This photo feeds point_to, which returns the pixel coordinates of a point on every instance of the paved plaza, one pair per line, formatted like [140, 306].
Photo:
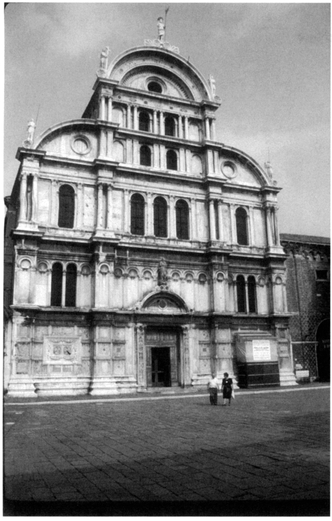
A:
[169, 454]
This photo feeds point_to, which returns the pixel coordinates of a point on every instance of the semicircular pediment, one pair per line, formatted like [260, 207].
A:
[164, 301]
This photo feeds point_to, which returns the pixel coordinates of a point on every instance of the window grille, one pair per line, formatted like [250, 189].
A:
[144, 121]
[171, 160]
[145, 155]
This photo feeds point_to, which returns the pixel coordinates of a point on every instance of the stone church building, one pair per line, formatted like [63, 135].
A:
[142, 252]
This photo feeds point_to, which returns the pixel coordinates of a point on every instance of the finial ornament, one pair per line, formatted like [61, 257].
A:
[28, 142]
[103, 62]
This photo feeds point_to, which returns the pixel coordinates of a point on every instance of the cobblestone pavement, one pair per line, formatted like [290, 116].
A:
[267, 450]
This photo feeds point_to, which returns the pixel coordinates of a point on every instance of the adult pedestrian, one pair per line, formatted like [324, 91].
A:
[227, 388]
[213, 387]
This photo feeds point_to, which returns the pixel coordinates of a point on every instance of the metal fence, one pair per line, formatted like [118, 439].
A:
[305, 360]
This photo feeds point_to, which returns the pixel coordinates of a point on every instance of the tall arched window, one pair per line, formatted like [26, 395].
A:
[252, 294]
[56, 285]
[145, 155]
[66, 206]
[182, 219]
[144, 121]
[137, 214]
[241, 294]
[171, 160]
[160, 217]
[170, 126]
[71, 277]
[241, 226]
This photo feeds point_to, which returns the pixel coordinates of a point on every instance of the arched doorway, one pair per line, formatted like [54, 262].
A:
[323, 350]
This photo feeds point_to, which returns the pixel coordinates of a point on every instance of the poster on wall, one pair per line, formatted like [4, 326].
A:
[261, 350]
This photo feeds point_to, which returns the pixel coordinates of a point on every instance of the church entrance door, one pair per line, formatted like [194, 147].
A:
[162, 358]
[160, 367]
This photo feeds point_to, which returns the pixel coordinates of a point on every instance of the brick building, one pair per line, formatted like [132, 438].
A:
[308, 300]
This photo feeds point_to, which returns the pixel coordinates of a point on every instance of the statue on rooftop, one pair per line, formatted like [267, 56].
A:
[104, 58]
[269, 169]
[161, 29]
[30, 133]
[212, 82]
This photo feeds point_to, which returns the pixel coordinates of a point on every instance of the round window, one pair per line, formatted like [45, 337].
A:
[228, 169]
[153, 86]
[81, 145]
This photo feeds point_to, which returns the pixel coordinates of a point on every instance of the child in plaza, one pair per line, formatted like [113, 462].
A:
[227, 388]
[213, 387]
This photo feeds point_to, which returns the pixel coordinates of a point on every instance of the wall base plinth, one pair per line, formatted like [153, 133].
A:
[108, 385]
[21, 386]
[72, 386]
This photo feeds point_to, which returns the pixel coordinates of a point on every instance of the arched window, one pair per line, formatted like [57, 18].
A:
[241, 294]
[171, 160]
[169, 126]
[145, 155]
[182, 219]
[66, 206]
[71, 277]
[144, 121]
[252, 294]
[160, 217]
[137, 214]
[241, 226]
[56, 286]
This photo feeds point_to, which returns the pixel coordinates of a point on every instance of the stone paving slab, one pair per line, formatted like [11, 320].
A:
[268, 452]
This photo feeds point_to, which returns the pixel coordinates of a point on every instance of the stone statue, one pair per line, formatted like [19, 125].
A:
[212, 82]
[269, 169]
[30, 133]
[162, 272]
[161, 29]
[104, 58]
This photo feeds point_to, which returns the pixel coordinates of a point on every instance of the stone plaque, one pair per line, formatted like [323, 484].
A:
[261, 350]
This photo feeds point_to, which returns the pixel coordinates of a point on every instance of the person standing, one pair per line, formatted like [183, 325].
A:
[227, 388]
[213, 387]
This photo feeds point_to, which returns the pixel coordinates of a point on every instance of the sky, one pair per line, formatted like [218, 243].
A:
[271, 63]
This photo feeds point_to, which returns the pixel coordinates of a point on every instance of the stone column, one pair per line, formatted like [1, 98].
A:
[221, 231]
[135, 152]
[193, 234]
[186, 128]
[276, 226]
[185, 358]
[172, 218]
[247, 296]
[187, 165]
[213, 129]
[34, 214]
[135, 117]
[207, 128]
[162, 123]
[63, 294]
[102, 107]
[212, 220]
[126, 211]
[233, 238]
[110, 107]
[251, 226]
[23, 195]
[180, 127]
[181, 161]
[268, 226]
[79, 205]
[129, 116]
[109, 207]
[150, 215]
[54, 203]
[155, 122]
[100, 206]
[140, 356]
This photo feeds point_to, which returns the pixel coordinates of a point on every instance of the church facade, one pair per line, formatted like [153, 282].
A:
[141, 252]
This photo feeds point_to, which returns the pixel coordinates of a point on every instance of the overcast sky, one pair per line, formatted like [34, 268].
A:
[270, 62]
